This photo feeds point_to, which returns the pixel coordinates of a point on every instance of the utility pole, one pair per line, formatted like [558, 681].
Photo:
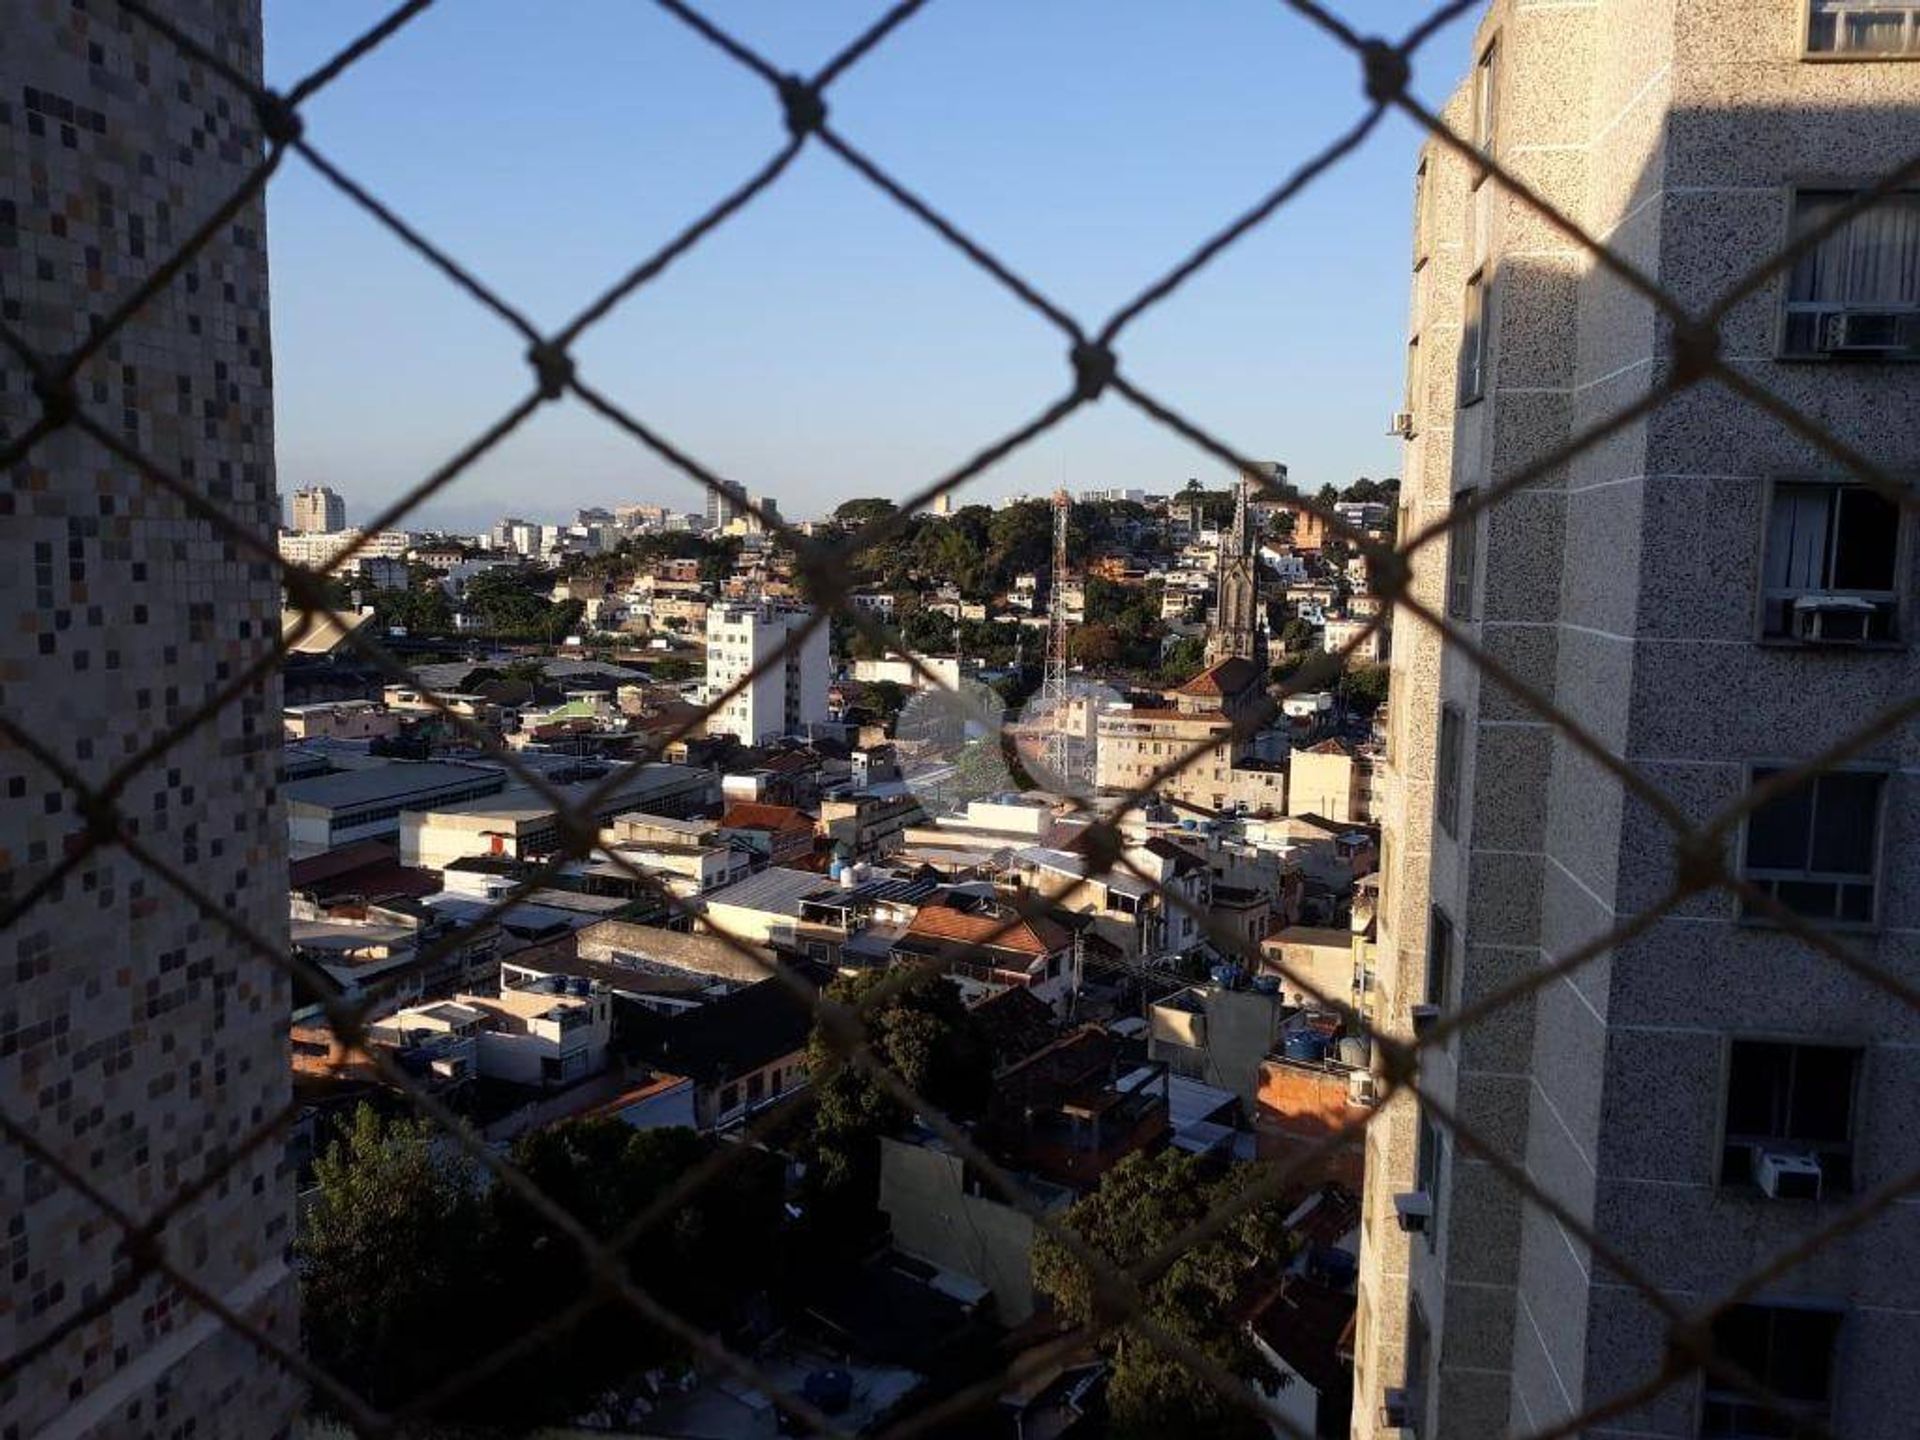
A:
[1054, 699]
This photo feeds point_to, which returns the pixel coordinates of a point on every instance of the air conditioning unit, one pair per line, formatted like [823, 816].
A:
[1413, 1209]
[1833, 619]
[1869, 332]
[1784, 1175]
[1396, 1411]
[1424, 1018]
[1401, 424]
[1362, 1088]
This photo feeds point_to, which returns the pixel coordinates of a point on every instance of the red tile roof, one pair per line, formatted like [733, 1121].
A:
[751, 815]
[1036, 936]
[1225, 677]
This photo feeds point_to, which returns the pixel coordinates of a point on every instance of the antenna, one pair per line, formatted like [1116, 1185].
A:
[1053, 687]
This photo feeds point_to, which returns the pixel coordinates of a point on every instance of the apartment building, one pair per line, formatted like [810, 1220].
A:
[128, 613]
[1713, 598]
[318, 510]
[786, 697]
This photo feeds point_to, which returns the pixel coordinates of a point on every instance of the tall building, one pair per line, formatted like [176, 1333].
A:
[1711, 597]
[726, 503]
[1239, 629]
[788, 696]
[318, 510]
[139, 1040]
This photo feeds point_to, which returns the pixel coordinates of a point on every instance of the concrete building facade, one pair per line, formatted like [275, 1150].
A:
[786, 697]
[318, 510]
[1711, 597]
[139, 1040]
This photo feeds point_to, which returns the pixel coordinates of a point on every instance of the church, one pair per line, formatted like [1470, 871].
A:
[1239, 621]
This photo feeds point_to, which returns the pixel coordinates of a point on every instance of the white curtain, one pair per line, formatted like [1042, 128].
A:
[1797, 537]
[1873, 260]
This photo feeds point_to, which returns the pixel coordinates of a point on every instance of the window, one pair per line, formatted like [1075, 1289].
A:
[1421, 200]
[1419, 1342]
[1863, 28]
[1439, 956]
[756, 1088]
[1432, 1145]
[1463, 537]
[1832, 563]
[729, 1099]
[1485, 98]
[1813, 848]
[1473, 341]
[1792, 1098]
[1411, 403]
[1446, 781]
[1789, 1349]
[1856, 294]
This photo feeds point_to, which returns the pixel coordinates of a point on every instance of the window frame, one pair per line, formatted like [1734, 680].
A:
[1724, 1135]
[1858, 57]
[1422, 221]
[1441, 938]
[1463, 556]
[1486, 108]
[1706, 1394]
[1903, 560]
[1429, 1158]
[1847, 187]
[1476, 316]
[1876, 877]
[1449, 762]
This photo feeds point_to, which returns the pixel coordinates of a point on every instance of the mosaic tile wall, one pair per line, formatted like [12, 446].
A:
[134, 1037]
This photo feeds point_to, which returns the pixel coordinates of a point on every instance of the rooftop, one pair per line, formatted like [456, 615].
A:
[777, 890]
[734, 1035]
[396, 781]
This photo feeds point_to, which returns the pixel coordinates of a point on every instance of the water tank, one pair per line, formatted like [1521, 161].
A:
[836, 869]
[1225, 976]
[1305, 1045]
[1354, 1051]
[1266, 984]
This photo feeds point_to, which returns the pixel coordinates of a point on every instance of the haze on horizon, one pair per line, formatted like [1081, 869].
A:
[823, 343]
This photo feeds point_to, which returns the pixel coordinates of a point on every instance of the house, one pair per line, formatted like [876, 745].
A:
[1219, 1033]
[1336, 780]
[984, 944]
[779, 834]
[1304, 1331]
[1073, 1110]
[742, 1052]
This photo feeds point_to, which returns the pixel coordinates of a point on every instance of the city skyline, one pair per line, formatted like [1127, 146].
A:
[1289, 345]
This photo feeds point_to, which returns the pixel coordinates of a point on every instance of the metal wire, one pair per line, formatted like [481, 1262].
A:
[1383, 70]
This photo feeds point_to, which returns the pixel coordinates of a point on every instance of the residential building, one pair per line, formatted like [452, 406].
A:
[1134, 743]
[1711, 598]
[742, 1052]
[1218, 1032]
[1335, 780]
[141, 1042]
[318, 510]
[319, 549]
[340, 720]
[519, 822]
[787, 696]
[981, 943]
[777, 834]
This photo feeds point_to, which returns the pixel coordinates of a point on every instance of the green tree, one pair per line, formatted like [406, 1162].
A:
[865, 511]
[389, 1288]
[1298, 635]
[1362, 688]
[926, 1035]
[1183, 659]
[1143, 1203]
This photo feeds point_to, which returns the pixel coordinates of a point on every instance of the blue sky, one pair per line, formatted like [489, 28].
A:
[824, 343]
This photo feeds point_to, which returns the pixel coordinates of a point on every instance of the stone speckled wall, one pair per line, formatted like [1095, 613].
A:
[136, 1038]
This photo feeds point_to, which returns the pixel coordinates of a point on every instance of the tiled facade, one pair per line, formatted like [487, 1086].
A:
[137, 1038]
[1625, 585]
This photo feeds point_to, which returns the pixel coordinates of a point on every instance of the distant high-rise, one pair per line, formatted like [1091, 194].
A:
[1711, 597]
[725, 504]
[318, 510]
[139, 1040]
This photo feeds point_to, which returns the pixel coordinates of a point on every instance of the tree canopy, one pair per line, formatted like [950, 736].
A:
[1141, 1204]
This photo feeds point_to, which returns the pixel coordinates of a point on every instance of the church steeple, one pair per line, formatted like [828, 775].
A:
[1237, 630]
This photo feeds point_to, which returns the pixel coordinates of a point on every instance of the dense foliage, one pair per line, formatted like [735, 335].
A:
[1143, 1203]
[414, 1266]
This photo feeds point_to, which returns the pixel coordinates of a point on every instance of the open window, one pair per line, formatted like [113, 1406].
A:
[1790, 1119]
[1833, 555]
[1855, 295]
[1789, 1350]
